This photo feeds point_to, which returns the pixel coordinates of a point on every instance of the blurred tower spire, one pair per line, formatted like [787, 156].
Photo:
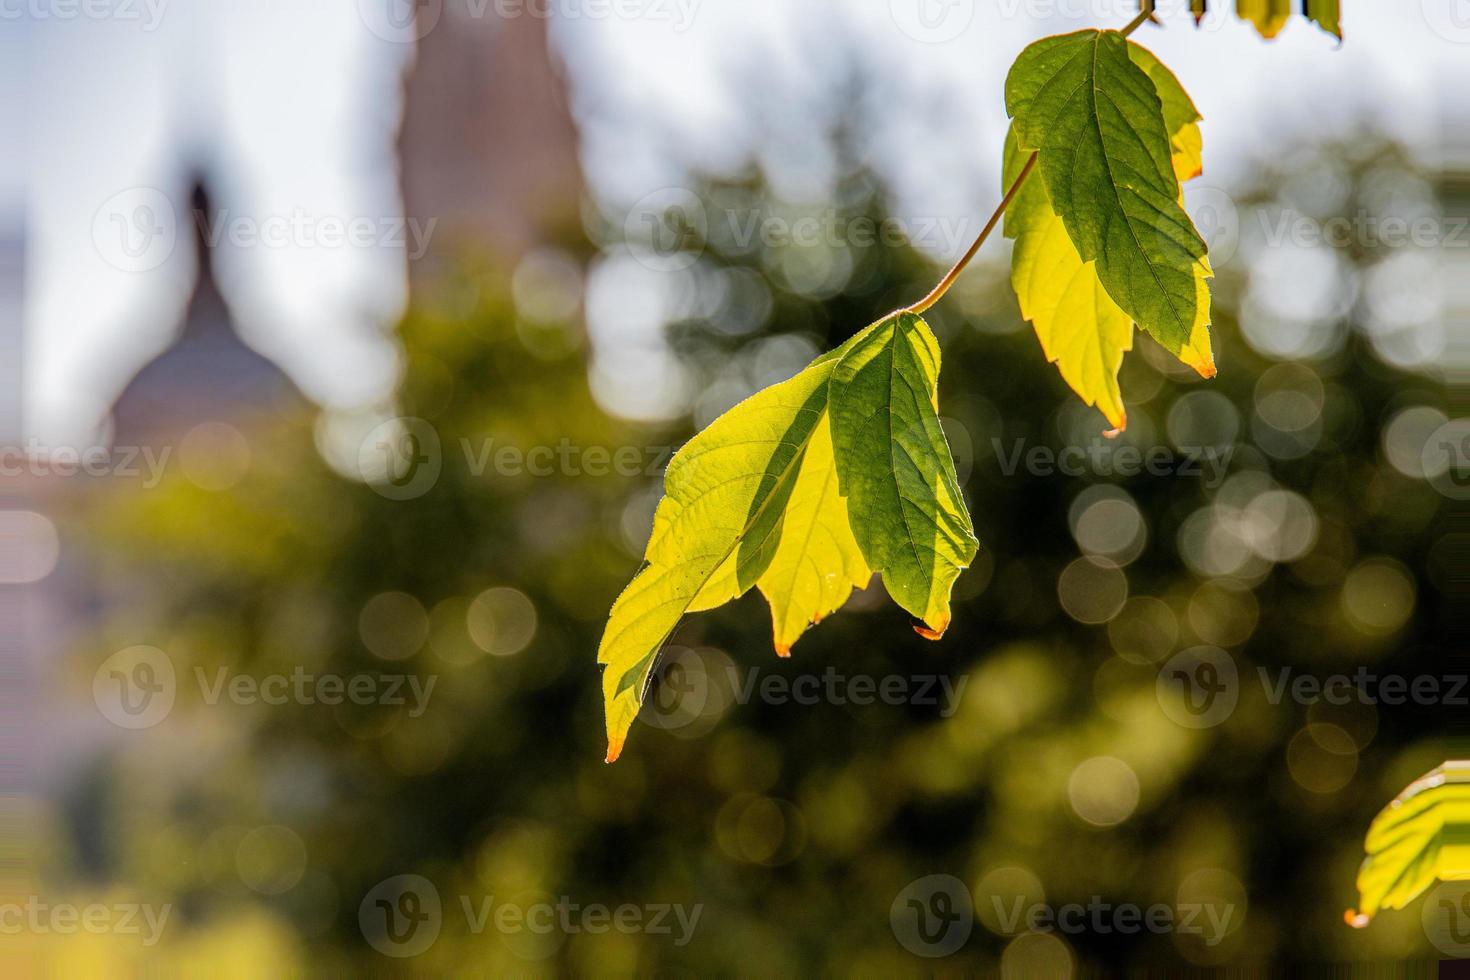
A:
[488, 148]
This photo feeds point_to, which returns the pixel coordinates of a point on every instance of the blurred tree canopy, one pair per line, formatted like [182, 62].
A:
[795, 826]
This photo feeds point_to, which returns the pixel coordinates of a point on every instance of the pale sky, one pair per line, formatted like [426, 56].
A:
[658, 94]
[291, 108]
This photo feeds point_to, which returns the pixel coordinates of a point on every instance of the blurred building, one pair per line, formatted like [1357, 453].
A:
[487, 153]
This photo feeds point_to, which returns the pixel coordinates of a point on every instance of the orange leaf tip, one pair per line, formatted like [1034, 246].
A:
[930, 633]
[1202, 363]
[783, 650]
[1356, 919]
[614, 749]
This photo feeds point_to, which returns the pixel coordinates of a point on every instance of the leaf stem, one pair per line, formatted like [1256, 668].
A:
[938, 292]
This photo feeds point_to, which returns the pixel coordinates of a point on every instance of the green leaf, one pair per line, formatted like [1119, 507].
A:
[1098, 126]
[894, 468]
[1181, 118]
[1423, 836]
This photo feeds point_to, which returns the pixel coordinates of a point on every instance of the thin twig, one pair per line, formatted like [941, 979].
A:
[937, 293]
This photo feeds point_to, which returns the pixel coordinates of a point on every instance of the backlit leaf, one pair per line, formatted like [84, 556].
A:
[1268, 16]
[1327, 14]
[819, 562]
[1423, 836]
[1081, 328]
[1097, 123]
[725, 495]
[895, 470]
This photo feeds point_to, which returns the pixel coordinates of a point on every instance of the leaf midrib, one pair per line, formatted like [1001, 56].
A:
[1096, 121]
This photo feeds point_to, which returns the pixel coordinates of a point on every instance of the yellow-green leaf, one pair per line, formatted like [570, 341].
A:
[1081, 328]
[1423, 836]
[1082, 331]
[1181, 118]
[818, 562]
[895, 469]
[1268, 16]
[1097, 123]
[1327, 14]
[724, 497]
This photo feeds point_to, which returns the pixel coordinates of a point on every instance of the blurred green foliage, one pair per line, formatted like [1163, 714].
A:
[794, 826]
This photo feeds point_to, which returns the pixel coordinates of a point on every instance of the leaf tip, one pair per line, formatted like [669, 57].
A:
[1203, 362]
[614, 749]
[783, 650]
[931, 632]
[1356, 919]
